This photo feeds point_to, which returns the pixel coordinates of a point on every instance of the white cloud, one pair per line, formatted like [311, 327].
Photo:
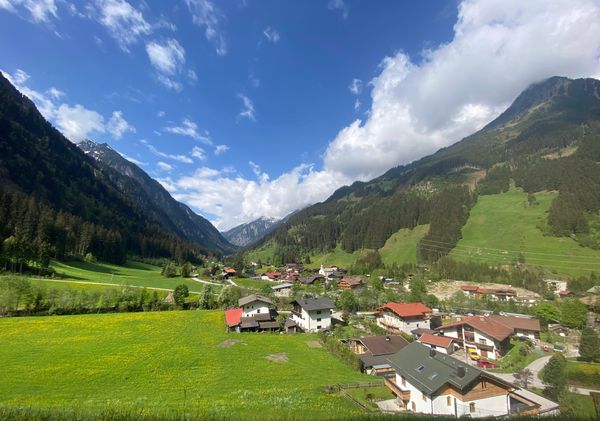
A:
[206, 15]
[198, 153]
[271, 34]
[176, 157]
[117, 126]
[124, 22]
[498, 49]
[192, 76]
[41, 11]
[356, 86]
[77, 123]
[163, 166]
[339, 5]
[190, 129]
[167, 58]
[248, 108]
[169, 83]
[221, 149]
[55, 93]
[160, 114]
[356, 104]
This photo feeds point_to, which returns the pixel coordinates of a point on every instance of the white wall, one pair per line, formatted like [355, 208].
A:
[405, 325]
[255, 307]
[308, 322]
[489, 407]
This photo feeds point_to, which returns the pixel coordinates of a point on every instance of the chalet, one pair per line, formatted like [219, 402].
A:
[403, 317]
[429, 382]
[490, 336]
[312, 315]
[309, 280]
[443, 344]
[375, 350]
[271, 276]
[555, 285]
[253, 314]
[229, 273]
[350, 282]
[282, 290]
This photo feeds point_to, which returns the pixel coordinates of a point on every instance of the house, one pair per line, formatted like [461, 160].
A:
[312, 315]
[253, 314]
[293, 268]
[416, 333]
[375, 350]
[443, 344]
[403, 317]
[282, 290]
[229, 273]
[271, 276]
[326, 272]
[490, 336]
[429, 382]
[350, 282]
[496, 294]
[558, 329]
[555, 285]
[309, 280]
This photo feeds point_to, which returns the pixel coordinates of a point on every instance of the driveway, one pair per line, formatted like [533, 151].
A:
[535, 368]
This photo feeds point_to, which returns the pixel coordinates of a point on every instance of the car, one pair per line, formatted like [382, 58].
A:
[473, 354]
[485, 364]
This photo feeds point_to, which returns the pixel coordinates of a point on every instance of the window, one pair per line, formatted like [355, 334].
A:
[258, 311]
[319, 319]
[472, 407]
[420, 368]
[482, 341]
[318, 311]
[318, 326]
[483, 384]
[449, 400]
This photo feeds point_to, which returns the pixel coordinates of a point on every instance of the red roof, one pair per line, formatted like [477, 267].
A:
[407, 309]
[469, 287]
[233, 316]
[428, 338]
[565, 292]
[230, 270]
[273, 274]
[487, 325]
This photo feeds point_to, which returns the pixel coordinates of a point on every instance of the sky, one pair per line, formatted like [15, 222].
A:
[251, 108]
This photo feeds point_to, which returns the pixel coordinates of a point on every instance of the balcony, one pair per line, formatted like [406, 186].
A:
[402, 394]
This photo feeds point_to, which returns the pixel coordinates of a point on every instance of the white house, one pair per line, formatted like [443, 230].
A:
[327, 272]
[403, 317]
[312, 315]
[556, 286]
[254, 304]
[429, 382]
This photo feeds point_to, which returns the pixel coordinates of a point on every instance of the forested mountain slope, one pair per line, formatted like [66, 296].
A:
[548, 139]
[56, 201]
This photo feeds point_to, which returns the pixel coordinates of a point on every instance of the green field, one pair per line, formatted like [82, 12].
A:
[132, 273]
[337, 257]
[500, 226]
[401, 247]
[162, 362]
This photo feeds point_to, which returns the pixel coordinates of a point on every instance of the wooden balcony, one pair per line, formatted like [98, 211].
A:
[402, 394]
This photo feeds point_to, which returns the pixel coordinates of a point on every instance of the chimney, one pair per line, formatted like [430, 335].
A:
[387, 338]
[460, 371]
[432, 352]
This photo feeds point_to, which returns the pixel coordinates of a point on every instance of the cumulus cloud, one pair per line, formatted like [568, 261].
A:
[247, 108]
[166, 58]
[117, 126]
[125, 23]
[221, 149]
[190, 129]
[339, 6]
[271, 34]
[198, 153]
[39, 10]
[499, 47]
[206, 15]
[77, 123]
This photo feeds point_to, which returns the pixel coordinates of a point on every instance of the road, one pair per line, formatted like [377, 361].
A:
[202, 281]
[537, 366]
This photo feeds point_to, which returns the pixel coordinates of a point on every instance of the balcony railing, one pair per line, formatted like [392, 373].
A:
[391, 384]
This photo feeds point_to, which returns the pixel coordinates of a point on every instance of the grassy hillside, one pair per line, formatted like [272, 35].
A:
[159, 363]
[501, 225]
[401, 247]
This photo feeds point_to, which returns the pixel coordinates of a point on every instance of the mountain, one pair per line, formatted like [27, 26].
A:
[548, 139]
[249, 233]
[56, 201]
[156, 202]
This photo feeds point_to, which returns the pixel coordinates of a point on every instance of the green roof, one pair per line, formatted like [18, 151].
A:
[429, 370]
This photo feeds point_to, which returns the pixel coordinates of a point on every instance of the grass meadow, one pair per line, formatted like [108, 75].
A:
[164, 364]
[501, 225]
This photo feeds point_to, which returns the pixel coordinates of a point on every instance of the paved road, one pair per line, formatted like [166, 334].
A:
[202, 281]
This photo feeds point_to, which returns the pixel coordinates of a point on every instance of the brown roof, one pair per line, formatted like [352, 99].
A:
[407, 309]
[443, 341]
[485, 325]
[254, 297]
[521, 323]
[352, 280]
[469, 287]
[383, 345]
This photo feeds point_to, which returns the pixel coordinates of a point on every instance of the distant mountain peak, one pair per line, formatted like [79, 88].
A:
[251, 232]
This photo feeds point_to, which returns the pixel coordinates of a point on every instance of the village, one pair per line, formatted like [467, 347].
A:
[434, 361]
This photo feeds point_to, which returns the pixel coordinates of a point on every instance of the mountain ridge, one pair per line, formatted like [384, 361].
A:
[249, 233]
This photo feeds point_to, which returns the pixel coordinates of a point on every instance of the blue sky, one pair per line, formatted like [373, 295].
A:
[257, 108]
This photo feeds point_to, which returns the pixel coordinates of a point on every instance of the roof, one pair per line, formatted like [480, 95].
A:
[594, 290]
[254, 297]
[469, 287]
[429, 370]
[486, 325]
[407, 309]
[289, 323]
[566, 292]
[230, 270]
[352, 280]
[419, 331]
[520, 323]
[546, 405]
[368, 360]
[233, 316]
[310, 304]
[282, 286]
[309, 279]
[429, 339]
[383, 345]
[273, 274]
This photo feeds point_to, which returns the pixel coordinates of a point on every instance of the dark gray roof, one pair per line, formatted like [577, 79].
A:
[311, 304]
[369, 360]
[383, 345]
[282, 286]
[309, 279]
[269, 325]
[429, 373]
[254, 297]
[290, 323]
[419, 331]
